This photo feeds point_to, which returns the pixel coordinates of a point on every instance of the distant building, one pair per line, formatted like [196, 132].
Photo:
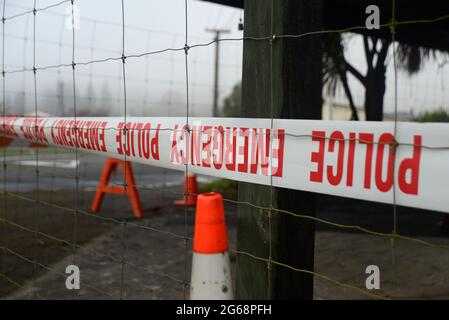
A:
[401, 116]
[338, 111]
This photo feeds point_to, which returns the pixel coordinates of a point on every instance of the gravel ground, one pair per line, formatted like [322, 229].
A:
[157, 260]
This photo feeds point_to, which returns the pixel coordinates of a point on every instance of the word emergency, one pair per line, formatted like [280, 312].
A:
[235, 149]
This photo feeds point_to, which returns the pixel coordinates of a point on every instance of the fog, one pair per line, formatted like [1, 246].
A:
[155, 83]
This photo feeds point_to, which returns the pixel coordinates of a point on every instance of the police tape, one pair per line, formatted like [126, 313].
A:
[362, 160]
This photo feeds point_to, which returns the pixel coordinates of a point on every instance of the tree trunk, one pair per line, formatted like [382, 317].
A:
[374, 81]
[374, 94]
[296, 89]
[344, 81]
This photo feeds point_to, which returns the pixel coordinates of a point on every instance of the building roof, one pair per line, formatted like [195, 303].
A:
[341, 14]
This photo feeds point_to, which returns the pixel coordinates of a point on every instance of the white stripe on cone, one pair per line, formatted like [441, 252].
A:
[211, 277]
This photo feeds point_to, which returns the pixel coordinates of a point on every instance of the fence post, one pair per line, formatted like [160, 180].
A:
[281, 79]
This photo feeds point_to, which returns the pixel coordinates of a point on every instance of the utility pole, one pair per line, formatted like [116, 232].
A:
[217, 33]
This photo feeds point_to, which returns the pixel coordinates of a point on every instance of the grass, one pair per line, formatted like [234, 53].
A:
[227, 188]
[439, 115]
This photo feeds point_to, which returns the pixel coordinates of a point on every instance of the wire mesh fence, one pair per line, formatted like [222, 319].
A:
[46, 219]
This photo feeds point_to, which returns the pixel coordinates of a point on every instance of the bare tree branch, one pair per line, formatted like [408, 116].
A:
[382, 55]
[369, 54]
[344, 81]
[355, 73]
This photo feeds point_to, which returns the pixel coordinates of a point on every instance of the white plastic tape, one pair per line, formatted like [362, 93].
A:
[349, 159]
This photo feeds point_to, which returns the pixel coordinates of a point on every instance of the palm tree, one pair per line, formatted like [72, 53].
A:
[336, 67]
[334, 70]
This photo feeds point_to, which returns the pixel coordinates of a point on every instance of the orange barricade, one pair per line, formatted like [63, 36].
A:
[110, 166]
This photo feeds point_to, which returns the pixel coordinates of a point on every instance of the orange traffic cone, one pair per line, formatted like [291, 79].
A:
[190, 190]
[211, 268]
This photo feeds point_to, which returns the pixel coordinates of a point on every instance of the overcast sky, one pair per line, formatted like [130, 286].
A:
[155, 83]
